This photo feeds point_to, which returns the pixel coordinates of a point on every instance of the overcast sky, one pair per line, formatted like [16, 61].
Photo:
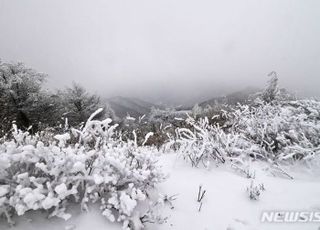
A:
[172, 49]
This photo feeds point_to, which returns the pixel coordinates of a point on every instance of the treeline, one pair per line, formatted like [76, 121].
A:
[25, 101]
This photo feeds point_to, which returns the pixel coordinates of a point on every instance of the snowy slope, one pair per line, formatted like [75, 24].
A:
[225, 205]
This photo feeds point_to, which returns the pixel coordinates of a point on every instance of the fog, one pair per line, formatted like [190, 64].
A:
[166, 50]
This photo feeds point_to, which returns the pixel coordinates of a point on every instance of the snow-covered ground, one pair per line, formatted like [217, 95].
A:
[226, 204]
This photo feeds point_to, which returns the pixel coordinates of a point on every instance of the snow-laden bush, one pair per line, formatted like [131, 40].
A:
[284, 131]
[99, 168]
[205, 143]
[254, 191]
[281, 131]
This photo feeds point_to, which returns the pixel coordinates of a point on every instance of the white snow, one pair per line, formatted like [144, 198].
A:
[226, 204]
[50, 202]
[148, 135]
[98, 179]
[63, 138]
[4, 189]
[129, 118]
[127, 204]
[78, 166]
[61, 190]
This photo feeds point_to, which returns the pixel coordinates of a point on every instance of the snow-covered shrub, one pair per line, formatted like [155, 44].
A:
[281, 131]
[284, 131]
[198, 145]
[244, 170]
[205, 140]
[159, 122]
[205, 143]
[98, 168]
[153, 214]
[254, 191]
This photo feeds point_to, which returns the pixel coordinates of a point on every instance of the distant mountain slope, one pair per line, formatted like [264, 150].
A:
[122, 106]
[133, 106]
[233, 98]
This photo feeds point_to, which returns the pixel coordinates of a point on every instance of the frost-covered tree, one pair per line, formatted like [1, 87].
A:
[78, 104]
[272, 90]
[22, 98]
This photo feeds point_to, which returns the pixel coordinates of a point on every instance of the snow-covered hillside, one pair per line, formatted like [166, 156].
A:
[226, 204]
[224, 171]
